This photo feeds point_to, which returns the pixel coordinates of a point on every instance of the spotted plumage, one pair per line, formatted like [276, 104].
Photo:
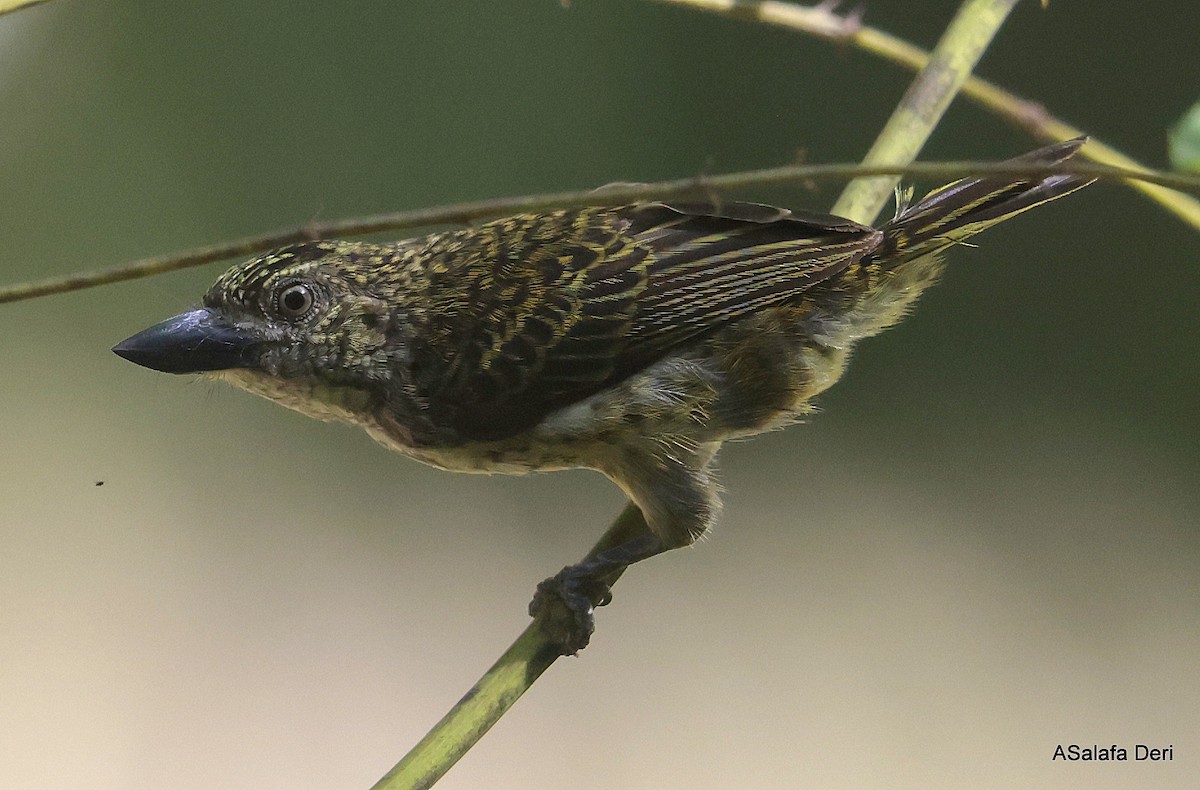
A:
[631, 339]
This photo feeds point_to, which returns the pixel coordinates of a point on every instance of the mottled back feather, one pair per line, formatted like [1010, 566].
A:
[529, 314]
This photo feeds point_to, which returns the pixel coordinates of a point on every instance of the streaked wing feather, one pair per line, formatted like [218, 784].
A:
[611, 291]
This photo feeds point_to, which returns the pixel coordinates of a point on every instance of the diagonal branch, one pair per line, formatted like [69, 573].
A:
[7, 6]
[924, 103]
[823, 22]
[496, 692]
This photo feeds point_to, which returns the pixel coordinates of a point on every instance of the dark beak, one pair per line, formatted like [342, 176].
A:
[189, 343]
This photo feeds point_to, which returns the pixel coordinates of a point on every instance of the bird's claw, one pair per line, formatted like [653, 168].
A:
[565, 606]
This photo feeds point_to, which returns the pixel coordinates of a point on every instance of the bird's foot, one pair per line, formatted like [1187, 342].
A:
[565, 605]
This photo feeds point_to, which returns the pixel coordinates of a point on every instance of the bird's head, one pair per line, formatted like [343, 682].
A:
[304, 326]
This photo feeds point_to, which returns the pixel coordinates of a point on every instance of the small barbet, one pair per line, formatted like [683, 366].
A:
[633, 340]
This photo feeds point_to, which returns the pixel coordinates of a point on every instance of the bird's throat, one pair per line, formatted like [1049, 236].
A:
[307, 395]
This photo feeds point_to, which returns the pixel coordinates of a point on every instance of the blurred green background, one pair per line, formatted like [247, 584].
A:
[986, 544]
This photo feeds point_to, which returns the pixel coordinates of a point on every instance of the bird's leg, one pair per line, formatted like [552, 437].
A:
[674, 503]
[565, 603]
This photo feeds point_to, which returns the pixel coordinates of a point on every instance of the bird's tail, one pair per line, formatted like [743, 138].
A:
[952, 213]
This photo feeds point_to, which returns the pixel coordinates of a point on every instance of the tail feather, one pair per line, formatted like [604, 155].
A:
[952, 213]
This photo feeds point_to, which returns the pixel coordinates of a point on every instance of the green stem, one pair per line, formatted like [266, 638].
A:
[490, 698]
[7, 6]
[821, 21]
[924, 103]
[475, 713]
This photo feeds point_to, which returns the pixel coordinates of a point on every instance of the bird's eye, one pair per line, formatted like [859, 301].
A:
[294, 301]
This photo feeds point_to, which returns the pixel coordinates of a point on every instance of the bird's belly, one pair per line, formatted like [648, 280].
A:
[518, 455]
[681, 402]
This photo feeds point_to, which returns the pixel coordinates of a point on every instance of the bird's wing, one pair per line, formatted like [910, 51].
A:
[530, 314]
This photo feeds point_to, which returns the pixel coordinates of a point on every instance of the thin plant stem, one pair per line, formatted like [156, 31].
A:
[924, 104]
[459, 213]
[8, 6]
[499, 688]
[822, 21]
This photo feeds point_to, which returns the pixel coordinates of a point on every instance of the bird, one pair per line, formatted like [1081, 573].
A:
[633, 340]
